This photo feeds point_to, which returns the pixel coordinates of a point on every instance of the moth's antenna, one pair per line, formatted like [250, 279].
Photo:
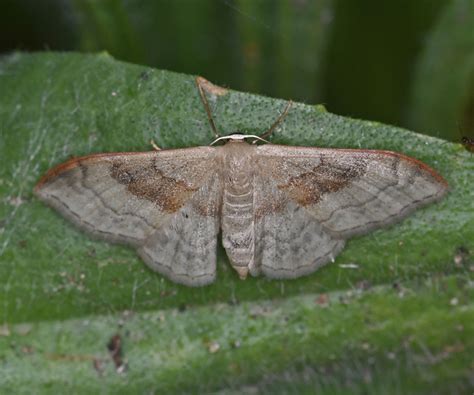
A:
[206, 107]
[278, 121]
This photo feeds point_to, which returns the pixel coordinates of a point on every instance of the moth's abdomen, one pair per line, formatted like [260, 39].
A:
[238, 227]
[238, 234]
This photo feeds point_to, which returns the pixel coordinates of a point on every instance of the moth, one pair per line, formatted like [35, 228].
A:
[283, 211]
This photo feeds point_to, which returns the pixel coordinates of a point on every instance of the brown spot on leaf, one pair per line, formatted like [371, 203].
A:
[98, 365]
[363, 285]
[115, 348]
[461, 256]
[322, 300]
[210, 88]
[468, 143]
[150, 184]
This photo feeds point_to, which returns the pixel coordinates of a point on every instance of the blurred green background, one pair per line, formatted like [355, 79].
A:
[402, 62]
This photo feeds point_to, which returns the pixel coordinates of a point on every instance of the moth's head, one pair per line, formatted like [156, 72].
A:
[239, 138]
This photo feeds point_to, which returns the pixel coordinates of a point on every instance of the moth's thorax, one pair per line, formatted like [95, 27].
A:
[237, 156]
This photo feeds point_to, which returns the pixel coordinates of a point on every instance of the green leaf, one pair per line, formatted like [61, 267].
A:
[63, 294]
[443, 89]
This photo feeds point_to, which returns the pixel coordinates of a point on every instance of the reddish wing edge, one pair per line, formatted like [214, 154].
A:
[74, 162]
[415, 161]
